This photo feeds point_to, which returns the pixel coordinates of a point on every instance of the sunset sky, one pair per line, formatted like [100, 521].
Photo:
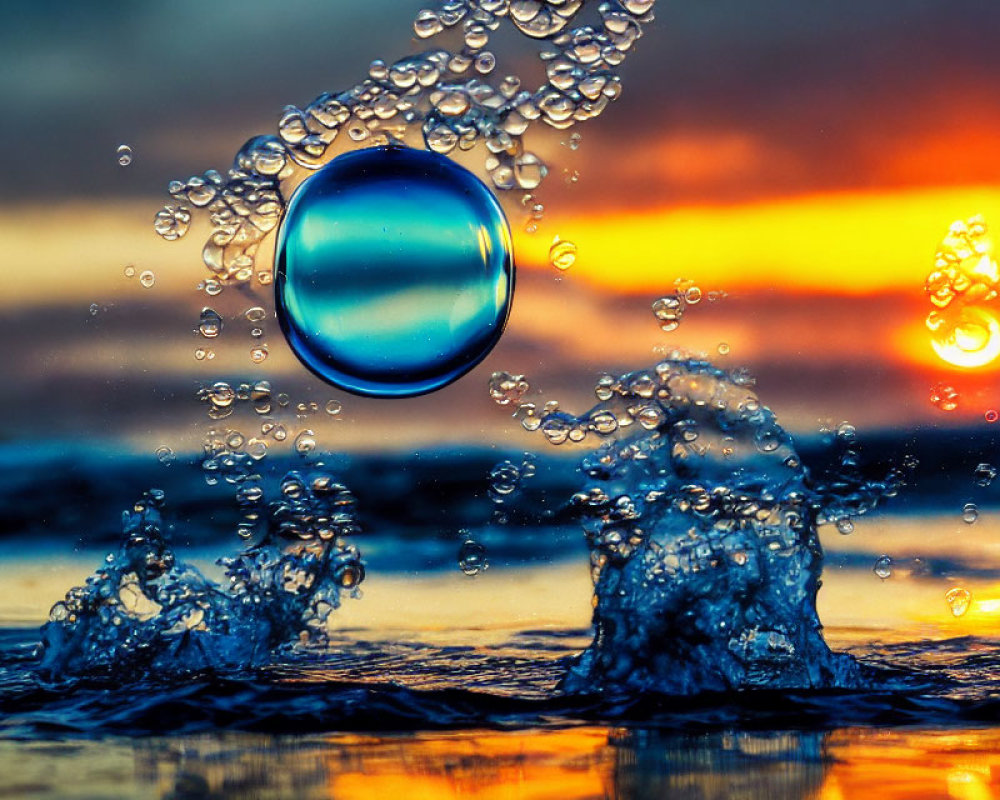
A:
[804, 158]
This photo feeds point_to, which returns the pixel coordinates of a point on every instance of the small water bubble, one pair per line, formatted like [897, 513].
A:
[305, 442]
[255, 314]
[164, 455]
[333, 407]
[991, 415]
[129, 271]
[668, 311]
[984, 474]
[94, 308]
[279, 433]
[883, 567]
[485, 62]
[573, 143]
[845, 526]
[212, 287]
[124, 153]
[258, 354]
[723, 349]
[209, 324]
[172, 222]
[283, 400]
[562, 254]
[970, 513]
[944, 396]
[472, 558]
[147, 279]
[958, 600]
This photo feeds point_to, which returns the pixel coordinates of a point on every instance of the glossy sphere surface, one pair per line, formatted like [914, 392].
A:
[394, 273]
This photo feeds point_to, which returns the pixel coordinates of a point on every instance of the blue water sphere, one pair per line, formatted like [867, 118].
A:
[394, 272]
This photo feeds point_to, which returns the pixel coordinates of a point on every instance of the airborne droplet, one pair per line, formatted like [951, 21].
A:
[411, 289]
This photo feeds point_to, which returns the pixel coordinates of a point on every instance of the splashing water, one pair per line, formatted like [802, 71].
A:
[702, 524]
[147, 613]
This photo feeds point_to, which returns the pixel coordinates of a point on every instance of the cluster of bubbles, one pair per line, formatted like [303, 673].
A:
[453, 99]
[145, 612]
[670, 308]
[962, 288]
[702, 525]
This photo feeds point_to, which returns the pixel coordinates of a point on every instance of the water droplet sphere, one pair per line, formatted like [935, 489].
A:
[394, 271]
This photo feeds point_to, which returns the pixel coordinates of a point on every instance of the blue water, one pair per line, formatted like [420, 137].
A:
[394, 272]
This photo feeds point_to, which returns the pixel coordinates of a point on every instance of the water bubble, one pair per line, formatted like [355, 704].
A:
[258, 354]
[845, 526]
[172, 222]
[485, 63]
[255, 314]
[883, 567]
[279, 433]
[212, 287]
[333, 407]
[304, 442]
[147, 279]
[958, 600]
[562, 254]
[164, 455]
[507, 389]
[984, 474]
[944, 396]
[416, 295]
[129, 271]
[94, 308]
[723, 349]
[970, 513]
[991, 415]
[668, 311]
[573, 143]
[124, 153]
[209, 324]
[427, 24]
[472, 558]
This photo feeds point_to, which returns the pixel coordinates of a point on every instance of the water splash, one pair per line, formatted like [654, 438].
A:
[702, 525]
[145, 612]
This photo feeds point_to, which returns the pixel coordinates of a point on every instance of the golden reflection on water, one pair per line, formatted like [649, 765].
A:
[535, 764]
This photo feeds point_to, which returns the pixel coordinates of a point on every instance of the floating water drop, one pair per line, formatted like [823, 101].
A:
[394, 273]
[164, 455]
[970, 513]
[258, 354]
[304, 443]
[958, 599]
[147, 279]
[333, 407]
[472, 558]
[883, 567]
[209, 323]
[124, 153]
[845, 526]
[668, 312]
[562, 254]
[984, 474]
[129, 271]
